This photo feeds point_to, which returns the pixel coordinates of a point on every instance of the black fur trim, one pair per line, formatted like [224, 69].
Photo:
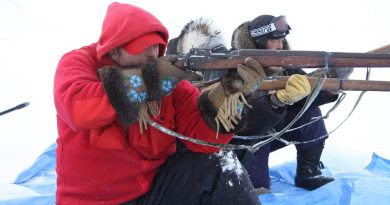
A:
[116, 92]
[207, 110]
[151, 77]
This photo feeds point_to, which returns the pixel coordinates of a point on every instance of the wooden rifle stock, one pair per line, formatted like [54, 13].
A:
[199, 59]
[332, 84]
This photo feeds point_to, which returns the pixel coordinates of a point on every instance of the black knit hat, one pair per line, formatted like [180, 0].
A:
[261, 29]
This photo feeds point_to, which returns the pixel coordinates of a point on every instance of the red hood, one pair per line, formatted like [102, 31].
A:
[123, 23]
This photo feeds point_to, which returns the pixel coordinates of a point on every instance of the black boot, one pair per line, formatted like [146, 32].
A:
[308, 174]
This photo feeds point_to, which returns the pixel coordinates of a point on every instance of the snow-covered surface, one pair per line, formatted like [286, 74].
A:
[34, 35]
[367, 186]
[371, 185]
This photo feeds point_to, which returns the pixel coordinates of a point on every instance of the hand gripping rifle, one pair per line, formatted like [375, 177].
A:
[201, 59]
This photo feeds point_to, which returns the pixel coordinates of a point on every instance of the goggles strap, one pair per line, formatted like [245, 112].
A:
[278, 24]
[263, 30]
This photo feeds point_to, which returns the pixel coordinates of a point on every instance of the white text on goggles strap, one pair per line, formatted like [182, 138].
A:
[263, 30]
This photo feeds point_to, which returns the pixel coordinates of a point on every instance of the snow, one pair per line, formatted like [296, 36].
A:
[35, 34]
[36, 184]
[229, 162]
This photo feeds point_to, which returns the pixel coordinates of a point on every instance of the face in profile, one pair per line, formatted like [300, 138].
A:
[125, 59]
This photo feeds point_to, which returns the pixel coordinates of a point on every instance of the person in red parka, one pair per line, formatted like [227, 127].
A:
[107, 95]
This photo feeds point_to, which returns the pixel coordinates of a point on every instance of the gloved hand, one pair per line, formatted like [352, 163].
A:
[246, 80]
[297, 87]
[252, 74]
[125, 90]
[161, 76]
[129, 89]
[228, 96]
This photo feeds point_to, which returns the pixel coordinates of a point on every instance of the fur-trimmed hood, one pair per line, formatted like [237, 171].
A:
[198, 33]
[241, 38]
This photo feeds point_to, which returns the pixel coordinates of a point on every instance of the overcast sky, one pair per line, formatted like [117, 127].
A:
[35, 34]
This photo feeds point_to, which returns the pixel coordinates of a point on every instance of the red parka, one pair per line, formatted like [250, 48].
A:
[97, 162]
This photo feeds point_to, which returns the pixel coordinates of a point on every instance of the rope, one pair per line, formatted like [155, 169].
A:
[313, 94]
[254, 147]
[341, 98]
[276, 135]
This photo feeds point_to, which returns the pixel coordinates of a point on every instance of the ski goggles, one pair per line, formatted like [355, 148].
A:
[278, 28]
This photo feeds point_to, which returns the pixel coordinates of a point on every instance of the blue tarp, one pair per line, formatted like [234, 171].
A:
[37, 184]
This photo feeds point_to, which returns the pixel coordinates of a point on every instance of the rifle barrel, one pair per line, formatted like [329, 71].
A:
[206, 59]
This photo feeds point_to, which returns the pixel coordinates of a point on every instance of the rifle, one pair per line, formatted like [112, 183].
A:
[200, 59]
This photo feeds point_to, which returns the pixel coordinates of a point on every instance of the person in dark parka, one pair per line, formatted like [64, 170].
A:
[269, 32]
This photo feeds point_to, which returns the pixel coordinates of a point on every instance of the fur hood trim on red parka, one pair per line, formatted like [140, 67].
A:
[124, 23]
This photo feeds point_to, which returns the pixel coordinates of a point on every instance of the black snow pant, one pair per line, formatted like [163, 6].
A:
[190, 178]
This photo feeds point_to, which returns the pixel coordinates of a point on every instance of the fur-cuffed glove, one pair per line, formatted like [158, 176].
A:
[223, 104]
[137, 92]
[125, 90]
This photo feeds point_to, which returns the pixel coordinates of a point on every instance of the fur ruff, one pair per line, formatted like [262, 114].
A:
[242, 39]
[195, 34]
[202, 33]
